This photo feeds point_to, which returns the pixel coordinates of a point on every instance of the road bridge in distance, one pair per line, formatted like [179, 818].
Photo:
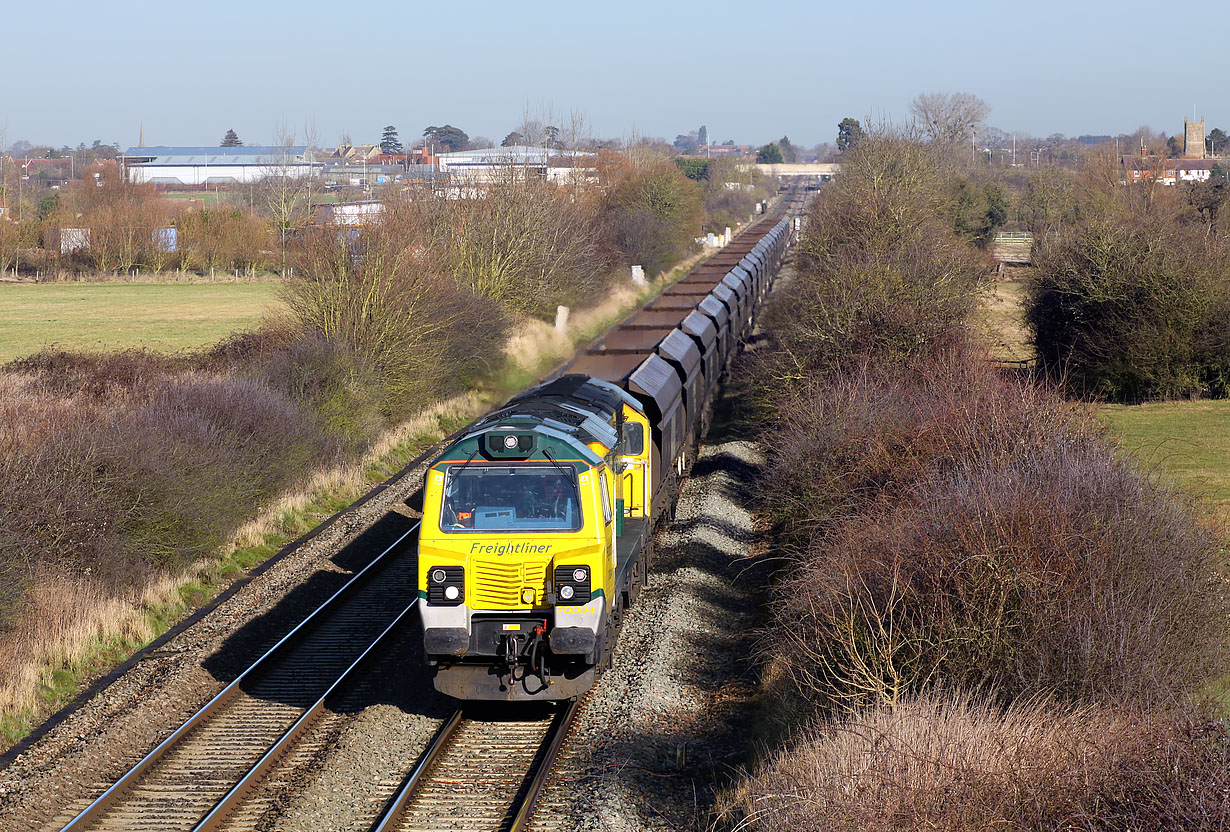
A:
[816, 171]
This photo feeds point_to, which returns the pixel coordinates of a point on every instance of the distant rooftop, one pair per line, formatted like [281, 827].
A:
[252, 155]
[518, 154]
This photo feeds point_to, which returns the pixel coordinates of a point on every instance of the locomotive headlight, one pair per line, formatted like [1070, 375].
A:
[527, 596]
[510, 441]
[579, 575]
[566, 592]
[452, 593]
[438, 576]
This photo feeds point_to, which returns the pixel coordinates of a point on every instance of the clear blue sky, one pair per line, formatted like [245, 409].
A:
[76, 71]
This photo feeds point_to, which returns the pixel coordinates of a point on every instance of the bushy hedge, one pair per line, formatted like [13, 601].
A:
[653, 213]
[878, 271]
[953, 526]
[958, 764]
[1134, 308]
[984, 616]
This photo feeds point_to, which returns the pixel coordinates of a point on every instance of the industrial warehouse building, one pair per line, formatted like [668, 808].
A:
[187, 166]
[489, 164]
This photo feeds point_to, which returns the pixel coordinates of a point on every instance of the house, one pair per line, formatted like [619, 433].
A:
[350, 213]
[355, 154]
[195, 166]
[1166, 171]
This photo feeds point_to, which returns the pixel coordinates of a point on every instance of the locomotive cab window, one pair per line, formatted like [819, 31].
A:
[633, 440]
[606, 499]
[479, 498]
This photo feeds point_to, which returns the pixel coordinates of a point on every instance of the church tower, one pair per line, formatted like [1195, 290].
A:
[1193, 139]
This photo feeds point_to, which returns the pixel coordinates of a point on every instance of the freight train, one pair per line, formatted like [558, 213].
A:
[537, 523]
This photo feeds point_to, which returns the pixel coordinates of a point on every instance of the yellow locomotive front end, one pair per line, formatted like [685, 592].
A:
[517, 553]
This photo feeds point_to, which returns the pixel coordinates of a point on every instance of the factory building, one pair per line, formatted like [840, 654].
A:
[491, 163]
[195, 166]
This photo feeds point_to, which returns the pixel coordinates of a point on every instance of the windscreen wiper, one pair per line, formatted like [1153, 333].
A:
[560, 468]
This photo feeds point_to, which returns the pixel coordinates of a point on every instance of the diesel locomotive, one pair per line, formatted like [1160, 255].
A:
[537, 523]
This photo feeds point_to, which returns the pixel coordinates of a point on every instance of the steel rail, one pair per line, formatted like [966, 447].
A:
[217, 816]
[108, 798]
[401, 801]
[521, 805]
[553, 743]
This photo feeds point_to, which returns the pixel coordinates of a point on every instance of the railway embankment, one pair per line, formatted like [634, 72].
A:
[985, 616]
[96, 743]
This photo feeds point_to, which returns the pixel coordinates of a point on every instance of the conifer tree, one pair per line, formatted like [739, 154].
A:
[389, 143]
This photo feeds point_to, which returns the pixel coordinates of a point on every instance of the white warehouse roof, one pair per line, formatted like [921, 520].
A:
[169, 156]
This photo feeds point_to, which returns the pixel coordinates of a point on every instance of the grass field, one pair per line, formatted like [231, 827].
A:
[105, 316]
[1190, 441]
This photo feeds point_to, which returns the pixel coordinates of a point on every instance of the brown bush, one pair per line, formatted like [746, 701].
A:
[122, 218]
[654, 214]
[141, 469]
[953, 525]
[223, 239]
[400, 329]
[955, 764]
[1133, 308]
[879, 270]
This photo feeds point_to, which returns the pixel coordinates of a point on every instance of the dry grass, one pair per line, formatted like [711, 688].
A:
[958, 764]
[74, 624]
[1003, 316]
[68, 622]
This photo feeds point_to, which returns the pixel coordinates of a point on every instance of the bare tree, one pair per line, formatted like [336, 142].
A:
[948, 118]
[286, 188]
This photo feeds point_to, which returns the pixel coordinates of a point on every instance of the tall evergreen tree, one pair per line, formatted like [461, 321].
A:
[231, 139]
[389, 143]
[702, 136]
[788, 154]
[447, 138]
[769, 154]
[849, 133]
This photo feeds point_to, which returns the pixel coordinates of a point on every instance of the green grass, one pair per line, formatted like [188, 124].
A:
[105, 316]
[1188, 440]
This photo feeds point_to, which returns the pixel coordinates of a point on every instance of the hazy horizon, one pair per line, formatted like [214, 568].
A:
[188, 74]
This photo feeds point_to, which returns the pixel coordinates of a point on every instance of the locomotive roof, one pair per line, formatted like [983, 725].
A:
[575, 410]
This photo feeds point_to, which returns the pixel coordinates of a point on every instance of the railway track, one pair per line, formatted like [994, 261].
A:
[481, 773]
[200, 774]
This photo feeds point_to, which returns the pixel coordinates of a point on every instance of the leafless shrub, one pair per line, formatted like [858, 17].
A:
[399, 328]
[878, 271]
[520, 241]
[223, 239]
[956, 526]
[122, 217]
[954, 763]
